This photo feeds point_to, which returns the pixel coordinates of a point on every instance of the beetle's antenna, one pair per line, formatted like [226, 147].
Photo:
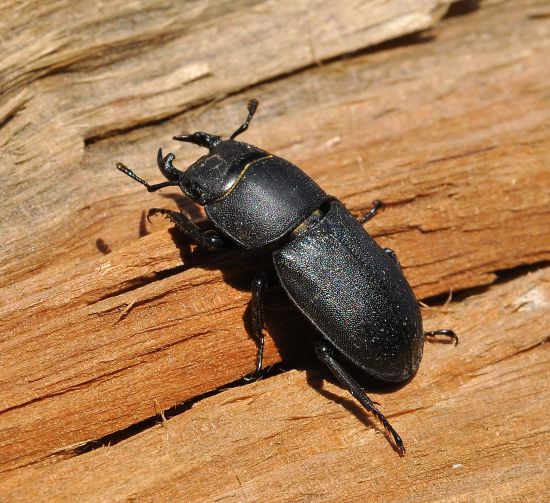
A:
[252, 107]
[150, 188]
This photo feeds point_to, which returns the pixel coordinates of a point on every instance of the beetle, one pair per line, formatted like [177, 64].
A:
[352, 290]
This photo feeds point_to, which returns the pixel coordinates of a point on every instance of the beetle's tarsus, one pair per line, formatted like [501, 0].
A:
[445, 332]
[259, 284]
[377, 206]
[252, 107]
[389, 428]
[324, 353]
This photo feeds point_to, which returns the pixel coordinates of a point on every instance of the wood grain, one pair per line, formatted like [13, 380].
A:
[450, 128]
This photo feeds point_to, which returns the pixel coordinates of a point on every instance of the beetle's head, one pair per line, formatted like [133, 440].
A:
[209, 177]
[213, 174]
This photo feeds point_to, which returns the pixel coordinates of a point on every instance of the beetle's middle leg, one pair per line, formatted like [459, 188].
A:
[376, 207]
[445, 332]
[324, 353]
[259, 284]
[209, 239]
[393, 256]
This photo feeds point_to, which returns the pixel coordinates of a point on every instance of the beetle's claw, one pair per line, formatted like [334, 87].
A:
[251, 377]
[396, 438]
[399, 444]
[444, 331]
[378, 205]
[155, 211]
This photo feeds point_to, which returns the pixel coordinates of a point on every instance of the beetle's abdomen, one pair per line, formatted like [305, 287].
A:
[271, 198]
[355, 294]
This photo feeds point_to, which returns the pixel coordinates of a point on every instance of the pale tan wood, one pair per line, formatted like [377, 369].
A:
[453, 134]
[474, 422]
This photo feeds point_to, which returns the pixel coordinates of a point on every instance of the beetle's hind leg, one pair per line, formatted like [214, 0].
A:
[445, 332]
[324, 353]
[259, 284]
[210, 240]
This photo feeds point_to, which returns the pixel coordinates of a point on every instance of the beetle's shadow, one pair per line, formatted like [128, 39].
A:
[291, 332]
[317, 373]
[238, 268]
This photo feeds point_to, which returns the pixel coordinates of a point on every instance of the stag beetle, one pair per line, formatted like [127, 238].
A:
[350, 289]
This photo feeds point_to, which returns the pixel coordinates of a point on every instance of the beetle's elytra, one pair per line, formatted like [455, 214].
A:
[352, 290]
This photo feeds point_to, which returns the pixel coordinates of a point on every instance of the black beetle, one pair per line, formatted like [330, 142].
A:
[352, 290]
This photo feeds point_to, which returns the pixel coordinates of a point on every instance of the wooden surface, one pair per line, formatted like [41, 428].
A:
[107, 320]
[474, 420]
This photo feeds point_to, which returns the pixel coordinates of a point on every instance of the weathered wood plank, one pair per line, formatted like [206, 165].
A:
[474, 422]
[461, 158]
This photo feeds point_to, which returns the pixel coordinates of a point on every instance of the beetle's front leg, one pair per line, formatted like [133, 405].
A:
[376, 207]
[210, 240]
[324, 353]
[259, 284]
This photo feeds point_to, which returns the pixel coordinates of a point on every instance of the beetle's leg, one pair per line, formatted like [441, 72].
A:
[376, 207]
[443, 331]
[324, 353]
[252, 106]
[393, 256]
[150, 188]
[259, 284]
[209, 239]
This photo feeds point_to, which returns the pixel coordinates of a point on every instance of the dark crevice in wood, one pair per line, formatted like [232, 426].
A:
[502, 276]
[417, 38]
[70, 389]
[12, 114]
[114, 51]
[134, 429]
[462, 8]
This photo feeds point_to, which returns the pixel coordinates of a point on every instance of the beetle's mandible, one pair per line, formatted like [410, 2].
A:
[352, 290]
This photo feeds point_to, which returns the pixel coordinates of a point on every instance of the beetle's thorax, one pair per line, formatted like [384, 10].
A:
[268, 199]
